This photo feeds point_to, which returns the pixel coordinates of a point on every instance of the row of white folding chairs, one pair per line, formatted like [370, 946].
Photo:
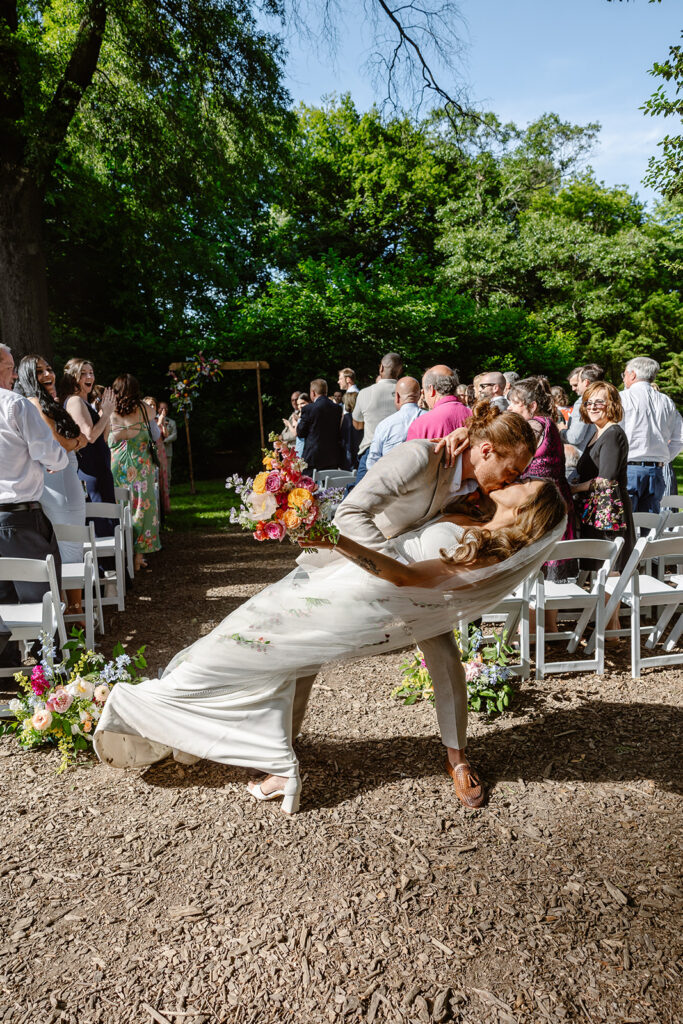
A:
[333, 477]
[28, 621]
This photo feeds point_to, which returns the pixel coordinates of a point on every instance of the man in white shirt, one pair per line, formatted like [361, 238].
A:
[26, 446]
[374, 404]
[392, 431]
[347, 381]
[654, 428]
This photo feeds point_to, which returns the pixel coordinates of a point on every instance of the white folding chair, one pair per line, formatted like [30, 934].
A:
[111, 547]
[570, 597]
[335, 478]
[512, 616]
[84, 576]
[642, 591]
[28, 621]
[123, 494]
[672, 501]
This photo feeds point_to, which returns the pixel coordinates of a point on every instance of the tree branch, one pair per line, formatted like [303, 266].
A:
[77, 76]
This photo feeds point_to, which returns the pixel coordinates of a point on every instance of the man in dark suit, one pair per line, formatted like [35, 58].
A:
[319, 426]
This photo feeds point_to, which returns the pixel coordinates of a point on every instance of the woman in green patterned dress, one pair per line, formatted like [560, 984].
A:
[131, 435]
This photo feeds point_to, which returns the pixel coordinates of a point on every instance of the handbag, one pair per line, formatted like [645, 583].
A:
[153, 454]
[602, 507]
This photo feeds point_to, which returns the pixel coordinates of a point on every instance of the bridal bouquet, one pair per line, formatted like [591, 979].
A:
[283, 501]
[61, 703]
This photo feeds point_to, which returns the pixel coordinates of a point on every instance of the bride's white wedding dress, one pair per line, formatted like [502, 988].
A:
[229, 696]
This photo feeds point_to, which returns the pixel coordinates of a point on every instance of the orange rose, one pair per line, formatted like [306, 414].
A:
[299, 497]
[259, 485]
[291, 519]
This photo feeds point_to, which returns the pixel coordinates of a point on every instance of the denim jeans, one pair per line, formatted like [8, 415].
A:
[645, 487]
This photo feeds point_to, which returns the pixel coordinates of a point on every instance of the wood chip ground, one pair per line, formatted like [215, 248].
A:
[171, 897]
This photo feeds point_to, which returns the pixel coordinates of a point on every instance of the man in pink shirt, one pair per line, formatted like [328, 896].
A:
[446, 410]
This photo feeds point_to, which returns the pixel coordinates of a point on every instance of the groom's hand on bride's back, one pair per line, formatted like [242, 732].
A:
[454, 445]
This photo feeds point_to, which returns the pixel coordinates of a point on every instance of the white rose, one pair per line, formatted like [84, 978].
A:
[80, 687]
[15, 705]
[262, 505]
[75, 730]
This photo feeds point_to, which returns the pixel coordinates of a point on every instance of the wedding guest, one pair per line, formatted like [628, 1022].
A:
[532, 400]
[471, 395]
[63, 497]
[579, 431]
[562, 406]
[511, 378]
[654, 430]
[446, 411]
[603, 499]
[350, 437]
[130, 438]
[299, 442]
[492, 385]
[169, 433]
[394, 429]
[374, 404]
[94, 460]
[27, 446]
[461, 392]
[288, 435]
[164, 492]
[338, 398]
[319, 425]
[346, 381]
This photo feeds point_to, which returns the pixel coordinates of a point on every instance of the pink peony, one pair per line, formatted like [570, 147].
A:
[275, 531]
[473, 670]
[42, 720]
[311, 517]
[59, 701]
[309, 483]
[39, 683]
[273, 481]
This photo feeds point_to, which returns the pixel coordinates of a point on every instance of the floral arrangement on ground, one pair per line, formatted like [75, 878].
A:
[283, 501]
[485, 660]
[61, 702]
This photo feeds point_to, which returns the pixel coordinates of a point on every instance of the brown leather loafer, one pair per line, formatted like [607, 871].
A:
[468, 786]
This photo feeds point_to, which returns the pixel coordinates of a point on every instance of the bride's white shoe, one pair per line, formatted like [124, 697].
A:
[290, 793]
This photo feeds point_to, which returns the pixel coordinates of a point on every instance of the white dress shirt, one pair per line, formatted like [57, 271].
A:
[26, 445]
[652, 424]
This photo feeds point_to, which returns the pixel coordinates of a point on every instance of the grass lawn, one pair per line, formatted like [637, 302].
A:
[207, 509]
[678, 469]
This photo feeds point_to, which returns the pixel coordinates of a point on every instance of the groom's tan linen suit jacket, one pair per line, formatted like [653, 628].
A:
[407, 488]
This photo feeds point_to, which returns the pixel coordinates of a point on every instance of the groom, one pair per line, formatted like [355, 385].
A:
[407, 488]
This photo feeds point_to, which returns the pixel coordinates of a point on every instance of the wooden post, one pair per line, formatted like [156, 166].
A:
[189, 452]
[260, 404]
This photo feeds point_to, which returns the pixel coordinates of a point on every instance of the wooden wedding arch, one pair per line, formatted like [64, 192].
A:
[257, 365]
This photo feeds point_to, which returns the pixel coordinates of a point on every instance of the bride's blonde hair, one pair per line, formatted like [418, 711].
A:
[536, 517]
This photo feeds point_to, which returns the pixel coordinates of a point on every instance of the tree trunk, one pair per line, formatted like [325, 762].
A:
[23, 274]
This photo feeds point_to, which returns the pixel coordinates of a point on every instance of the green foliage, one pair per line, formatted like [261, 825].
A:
[665, 172]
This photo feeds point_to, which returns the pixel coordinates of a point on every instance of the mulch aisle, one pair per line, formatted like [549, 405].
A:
[171, 896]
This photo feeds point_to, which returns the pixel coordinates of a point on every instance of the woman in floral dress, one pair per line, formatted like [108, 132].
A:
[130, 437]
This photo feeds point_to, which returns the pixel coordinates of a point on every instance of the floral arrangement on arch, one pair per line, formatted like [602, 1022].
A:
[283, 501]
[485, 660]
[189, 380]
[62, 703]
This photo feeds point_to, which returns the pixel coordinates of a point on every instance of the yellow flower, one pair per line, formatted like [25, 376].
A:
[268, 462]
[299, 498]
[259, 485]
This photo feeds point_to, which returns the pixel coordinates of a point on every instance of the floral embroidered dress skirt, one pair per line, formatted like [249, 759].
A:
[132, 467]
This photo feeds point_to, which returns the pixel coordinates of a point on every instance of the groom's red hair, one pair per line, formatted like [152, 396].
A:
[506, 431]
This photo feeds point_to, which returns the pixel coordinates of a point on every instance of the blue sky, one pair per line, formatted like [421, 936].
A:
[585, 60]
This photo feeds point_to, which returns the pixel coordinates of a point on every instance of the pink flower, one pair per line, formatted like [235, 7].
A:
[60, 701]
[273, 481]
[39, 683]
[42, 720]
[275, 531]
[309, 483]
[260, 535]
[473, 670]
[312, 516]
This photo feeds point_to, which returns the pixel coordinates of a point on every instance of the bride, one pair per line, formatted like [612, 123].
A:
[229, 696]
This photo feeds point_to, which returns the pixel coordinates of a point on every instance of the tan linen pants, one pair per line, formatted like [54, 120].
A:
[442, 658]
